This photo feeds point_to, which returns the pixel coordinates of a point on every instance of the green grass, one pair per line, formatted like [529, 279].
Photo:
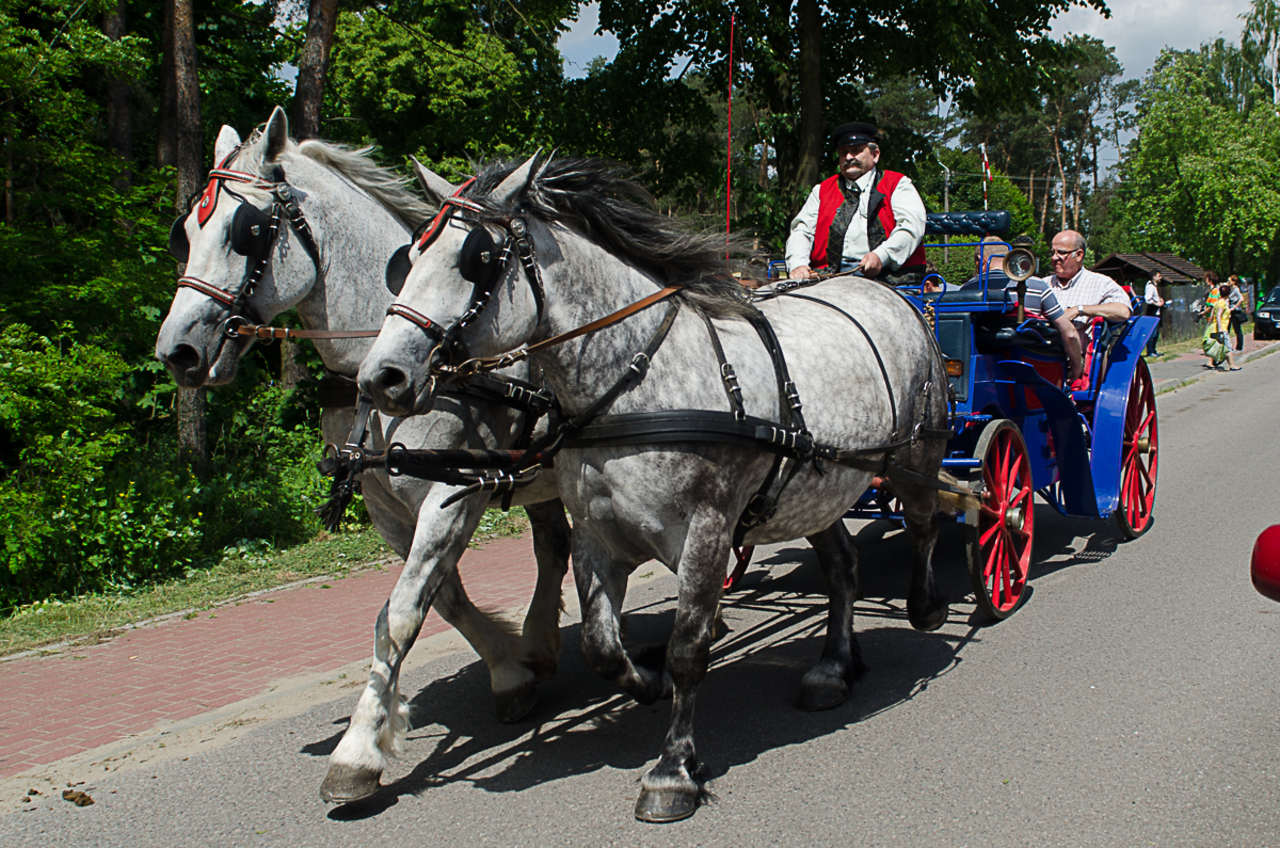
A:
[243, 569]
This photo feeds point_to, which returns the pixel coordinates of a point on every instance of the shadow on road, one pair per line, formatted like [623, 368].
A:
[746, 705]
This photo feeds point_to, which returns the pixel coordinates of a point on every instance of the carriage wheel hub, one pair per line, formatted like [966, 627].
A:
[1144, 444]
[1014, 517]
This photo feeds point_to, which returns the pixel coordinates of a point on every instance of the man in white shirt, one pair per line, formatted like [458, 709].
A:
[1084, 295]
[1151, 297]
[862, 219]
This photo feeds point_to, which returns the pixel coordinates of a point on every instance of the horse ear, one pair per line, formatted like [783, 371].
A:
[228, 141]
[277, 134]
[434, 186]
[516, 183]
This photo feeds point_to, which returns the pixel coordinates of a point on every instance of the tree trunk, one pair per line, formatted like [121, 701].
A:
[308, 96]
[292, 371]
[1031, 192]
[166, 128]
[119, 121]
[1044, 205]
[811, 119]
[186, 85]
[192, 437]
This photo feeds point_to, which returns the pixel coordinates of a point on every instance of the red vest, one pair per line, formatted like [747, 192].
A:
[830, 197]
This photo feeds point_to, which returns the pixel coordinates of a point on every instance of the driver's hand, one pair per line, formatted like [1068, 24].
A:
[801, 272]
[871, 265]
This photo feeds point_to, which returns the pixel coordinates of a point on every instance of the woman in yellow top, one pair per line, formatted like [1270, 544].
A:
[1220, 325]
[1211, 298]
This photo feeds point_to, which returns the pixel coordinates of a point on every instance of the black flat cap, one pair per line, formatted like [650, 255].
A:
[855, 133]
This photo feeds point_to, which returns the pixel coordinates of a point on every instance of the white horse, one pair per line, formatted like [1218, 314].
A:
[684, 431]
[353, 216]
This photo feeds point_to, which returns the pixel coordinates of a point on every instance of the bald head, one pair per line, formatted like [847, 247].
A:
[1067, 254]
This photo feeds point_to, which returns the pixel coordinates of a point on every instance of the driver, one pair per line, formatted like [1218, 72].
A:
[1083, 294]
[861, 219]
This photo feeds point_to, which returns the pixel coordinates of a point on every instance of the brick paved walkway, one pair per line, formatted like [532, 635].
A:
[57, 705]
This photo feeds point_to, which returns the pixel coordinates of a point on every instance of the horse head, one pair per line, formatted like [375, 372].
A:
[461, 288]
[281, 224]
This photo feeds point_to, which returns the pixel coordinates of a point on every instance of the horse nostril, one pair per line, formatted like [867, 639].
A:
[183, 357]
[390, 379]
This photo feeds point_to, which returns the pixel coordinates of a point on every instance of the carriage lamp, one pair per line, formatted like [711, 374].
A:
[1020, 264]
[955, 368]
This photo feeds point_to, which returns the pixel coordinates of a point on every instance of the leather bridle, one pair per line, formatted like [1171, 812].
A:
[284, 205]
[484, 280]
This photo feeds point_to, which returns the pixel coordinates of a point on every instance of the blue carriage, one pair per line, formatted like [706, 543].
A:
[1090, 450]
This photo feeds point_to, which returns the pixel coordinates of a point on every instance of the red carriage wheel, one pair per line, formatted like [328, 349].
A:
[742, 558]
[1001, 530]
[1139, 456]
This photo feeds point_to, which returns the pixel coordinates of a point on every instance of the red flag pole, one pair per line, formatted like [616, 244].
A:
[728, 171]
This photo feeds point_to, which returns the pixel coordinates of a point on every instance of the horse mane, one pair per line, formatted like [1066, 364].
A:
[600, 202]
[355, 164]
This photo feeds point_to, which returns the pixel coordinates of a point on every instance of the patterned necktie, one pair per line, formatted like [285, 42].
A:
[844, 216]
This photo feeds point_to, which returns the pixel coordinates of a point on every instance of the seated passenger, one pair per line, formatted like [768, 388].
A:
[1040, 298]
[1083, 294]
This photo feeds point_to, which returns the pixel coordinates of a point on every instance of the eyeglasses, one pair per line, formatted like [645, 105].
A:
[1063, 254]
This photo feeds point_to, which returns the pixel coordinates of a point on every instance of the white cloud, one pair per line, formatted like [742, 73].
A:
[1140, 29]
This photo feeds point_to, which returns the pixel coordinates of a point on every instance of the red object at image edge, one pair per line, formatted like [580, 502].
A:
[1266, 562]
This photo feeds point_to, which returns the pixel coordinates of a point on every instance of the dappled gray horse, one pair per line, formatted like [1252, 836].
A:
[683, 431]
[330, 263]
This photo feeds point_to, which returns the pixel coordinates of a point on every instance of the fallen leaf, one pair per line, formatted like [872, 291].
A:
[75, 796]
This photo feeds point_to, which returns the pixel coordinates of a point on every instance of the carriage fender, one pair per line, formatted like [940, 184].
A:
[1074, 474]
[1109, 411]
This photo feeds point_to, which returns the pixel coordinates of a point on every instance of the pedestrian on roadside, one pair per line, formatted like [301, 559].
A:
[1154, 303]
[1208, 308]
[1235, 299]
[1220, 332]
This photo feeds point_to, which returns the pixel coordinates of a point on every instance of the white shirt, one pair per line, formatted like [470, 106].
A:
[1152, 294]
[1087, 288]
[908, 232]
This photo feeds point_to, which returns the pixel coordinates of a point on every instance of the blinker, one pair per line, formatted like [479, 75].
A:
[179, 244]
[250, 231]
[398, 269]
[478, 260]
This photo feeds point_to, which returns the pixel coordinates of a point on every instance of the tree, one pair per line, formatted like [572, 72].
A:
[313, 65]
[979, 53]
[1201, 179]
[1053, 142]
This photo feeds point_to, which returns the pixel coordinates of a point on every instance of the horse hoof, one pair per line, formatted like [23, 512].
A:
[344, 784]
[927, 617]
[516, 704]
[665, 805]
[815, 697]
[543, 669]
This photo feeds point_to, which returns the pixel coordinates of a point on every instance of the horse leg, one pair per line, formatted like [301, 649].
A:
[827, 684]
[602, 587]
[927, 608]
[381, 717]
[670, 791]
[542, 623]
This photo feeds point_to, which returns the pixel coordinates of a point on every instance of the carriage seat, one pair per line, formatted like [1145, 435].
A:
[985, 222]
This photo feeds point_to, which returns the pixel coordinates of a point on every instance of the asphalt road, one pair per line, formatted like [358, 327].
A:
[1131, 702]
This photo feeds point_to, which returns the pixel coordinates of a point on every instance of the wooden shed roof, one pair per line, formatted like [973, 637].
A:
[1124, 267]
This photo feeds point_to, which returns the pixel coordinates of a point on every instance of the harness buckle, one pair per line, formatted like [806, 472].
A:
[232, 325]
[793, 396]
[640, 364]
